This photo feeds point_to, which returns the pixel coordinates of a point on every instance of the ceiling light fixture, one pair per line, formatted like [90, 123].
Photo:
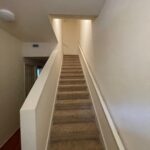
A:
[7, 15]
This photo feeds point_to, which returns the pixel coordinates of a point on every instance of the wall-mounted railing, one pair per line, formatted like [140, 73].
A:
[37, 111]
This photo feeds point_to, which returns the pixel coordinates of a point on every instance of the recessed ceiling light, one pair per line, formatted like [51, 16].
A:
[7, 15]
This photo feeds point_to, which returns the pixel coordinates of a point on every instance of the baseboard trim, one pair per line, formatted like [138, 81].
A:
[9, 137]
[109, 119]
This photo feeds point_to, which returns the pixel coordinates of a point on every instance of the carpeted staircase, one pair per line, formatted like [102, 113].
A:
[74, 125]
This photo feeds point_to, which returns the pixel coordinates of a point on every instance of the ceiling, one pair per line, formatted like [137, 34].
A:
[32, 23]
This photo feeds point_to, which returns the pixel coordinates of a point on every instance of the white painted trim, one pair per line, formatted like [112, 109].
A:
[107, 114]
[9, 137]
[91, 95]
[53, 108]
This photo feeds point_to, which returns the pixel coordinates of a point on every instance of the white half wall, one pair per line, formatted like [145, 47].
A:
[37, 112]
[117, 48]
[11, 84]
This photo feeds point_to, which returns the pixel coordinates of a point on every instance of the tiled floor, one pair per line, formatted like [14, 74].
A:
[14, 143]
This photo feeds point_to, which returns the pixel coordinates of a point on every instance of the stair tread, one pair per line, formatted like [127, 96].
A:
[73, 104]
[79, 115]
[74, 85]
[77, 145]
[87, 130]
[68, 76]
[72, 79]
[71, 74]
[73, 112]
[72, 63]
[72, 95]
[72, 101]
[78, 87]
[72, 71]
[73, 92]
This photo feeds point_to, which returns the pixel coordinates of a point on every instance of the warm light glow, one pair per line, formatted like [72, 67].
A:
[57, 27]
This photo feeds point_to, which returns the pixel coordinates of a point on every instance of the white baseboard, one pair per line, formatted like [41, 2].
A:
[105, 121]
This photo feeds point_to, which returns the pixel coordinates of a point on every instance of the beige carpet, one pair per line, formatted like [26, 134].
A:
[74, 125]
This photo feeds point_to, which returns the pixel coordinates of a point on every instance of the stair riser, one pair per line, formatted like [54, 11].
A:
[72, 71]
[72, 77]
[77, 145]
[71, 56]
[72, 74]
[70, 107]
[58, 120]
[76, 136]
[73, 96]
[71, 64]
[71, 60]
[71, 68]
[66, 56]
[72, 88]
[63, 82]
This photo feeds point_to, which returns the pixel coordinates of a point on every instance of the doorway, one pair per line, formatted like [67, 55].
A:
[33, 68]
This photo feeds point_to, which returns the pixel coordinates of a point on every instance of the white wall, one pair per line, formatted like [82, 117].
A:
[44, 49]
[11, 84]
[117, 48]
[70, 33]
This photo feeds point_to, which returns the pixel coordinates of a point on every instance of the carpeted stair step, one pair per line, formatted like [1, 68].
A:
[71, 60]
[71, 64]
[73, 95]
[66, 62]
[72, 71]
[74, 131]
[71, 56]
[73, 116]
[71, 67]
[72, 81]
[73, 104]
[74, 123]
[77, 145]
[70, 76]
[78, 87]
